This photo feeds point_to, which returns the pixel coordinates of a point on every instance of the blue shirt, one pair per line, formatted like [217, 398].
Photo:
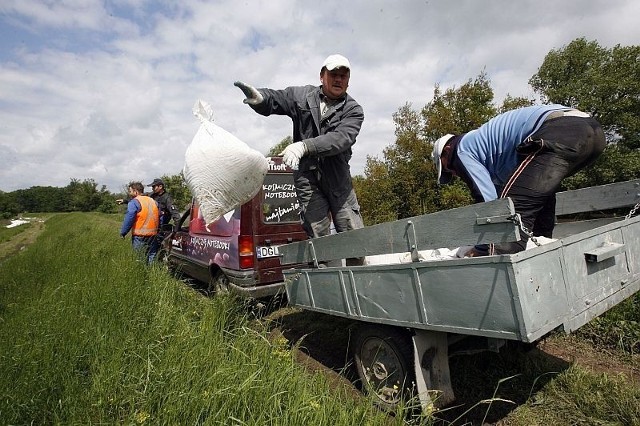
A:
[489, 152]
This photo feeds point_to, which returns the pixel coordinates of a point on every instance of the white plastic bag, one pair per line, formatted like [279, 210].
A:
[221, 171]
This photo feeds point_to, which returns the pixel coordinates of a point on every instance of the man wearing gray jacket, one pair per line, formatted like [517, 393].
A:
[326, 122]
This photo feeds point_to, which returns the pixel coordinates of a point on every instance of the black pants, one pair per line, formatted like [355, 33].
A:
[560, 148]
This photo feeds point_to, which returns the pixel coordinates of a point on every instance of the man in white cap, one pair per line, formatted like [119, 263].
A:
[326, 122]
[523, 154]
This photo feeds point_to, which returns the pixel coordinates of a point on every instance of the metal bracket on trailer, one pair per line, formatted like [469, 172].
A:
[494, 219]
[312, 249]
[413, 242]
[431, 365]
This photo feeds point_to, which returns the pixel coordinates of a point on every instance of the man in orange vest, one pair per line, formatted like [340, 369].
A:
[142, 219]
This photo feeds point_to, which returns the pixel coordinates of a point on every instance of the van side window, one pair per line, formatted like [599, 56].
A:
[280, 203]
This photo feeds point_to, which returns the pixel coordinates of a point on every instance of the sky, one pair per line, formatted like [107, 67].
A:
[104, 90]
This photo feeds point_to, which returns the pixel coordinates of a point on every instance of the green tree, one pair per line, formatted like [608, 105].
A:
[456, 111]
[606, 83]
[403, 182]
[280, 146]
[177, 187]
[409, 165]
[375, 192]
[84, 196]
[459, 110]
[9, 207]
[41, 199]
[108, 206]
[511, 102]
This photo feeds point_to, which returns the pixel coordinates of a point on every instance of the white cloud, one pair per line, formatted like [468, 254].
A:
[104, 90]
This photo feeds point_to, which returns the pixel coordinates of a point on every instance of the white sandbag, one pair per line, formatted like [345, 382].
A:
[221, 171]
[436, 254]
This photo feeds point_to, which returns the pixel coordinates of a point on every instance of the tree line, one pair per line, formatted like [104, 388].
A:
[83, 196]
[604, 82]
[583, 75]
[77, 196]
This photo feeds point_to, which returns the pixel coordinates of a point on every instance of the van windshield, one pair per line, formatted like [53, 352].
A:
[280, 203]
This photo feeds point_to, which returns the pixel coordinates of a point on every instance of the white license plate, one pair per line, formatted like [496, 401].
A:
[269, 251]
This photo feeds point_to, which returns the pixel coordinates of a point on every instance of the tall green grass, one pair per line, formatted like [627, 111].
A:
[89, 335]
[7, 233]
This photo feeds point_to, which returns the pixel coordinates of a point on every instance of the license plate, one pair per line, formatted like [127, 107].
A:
[267, 251]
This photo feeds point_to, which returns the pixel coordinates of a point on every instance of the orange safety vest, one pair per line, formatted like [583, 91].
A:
[147, 219]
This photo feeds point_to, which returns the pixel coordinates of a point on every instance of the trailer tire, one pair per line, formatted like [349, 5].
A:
[383, 358]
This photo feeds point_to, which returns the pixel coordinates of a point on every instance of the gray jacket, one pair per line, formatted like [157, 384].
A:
[328, 140]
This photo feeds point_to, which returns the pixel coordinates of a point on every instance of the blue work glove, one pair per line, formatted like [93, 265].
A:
[293, 153]
[253, 96]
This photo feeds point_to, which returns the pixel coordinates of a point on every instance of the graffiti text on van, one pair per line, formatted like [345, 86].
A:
[281, 212]
[209, 243]
[276, 187]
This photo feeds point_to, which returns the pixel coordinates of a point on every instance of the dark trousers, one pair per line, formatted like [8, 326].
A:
[320, 206]
[560, 148]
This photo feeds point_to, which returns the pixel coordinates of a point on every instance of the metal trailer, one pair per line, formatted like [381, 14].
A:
[590, 267]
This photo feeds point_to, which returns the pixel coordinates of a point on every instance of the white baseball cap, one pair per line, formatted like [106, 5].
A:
[336, 61]
[438, 146]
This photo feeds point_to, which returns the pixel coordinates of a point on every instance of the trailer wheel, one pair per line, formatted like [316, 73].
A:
[383, 358]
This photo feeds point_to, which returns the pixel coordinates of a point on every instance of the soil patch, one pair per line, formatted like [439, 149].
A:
[599, 360]
[22, 240]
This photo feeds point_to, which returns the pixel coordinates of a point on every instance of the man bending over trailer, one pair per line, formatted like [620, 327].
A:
[523, 154]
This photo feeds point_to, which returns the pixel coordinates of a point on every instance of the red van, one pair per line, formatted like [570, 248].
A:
[239, 251]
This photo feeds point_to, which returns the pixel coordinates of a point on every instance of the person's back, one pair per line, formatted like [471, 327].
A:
[522, 154]
[143, 220]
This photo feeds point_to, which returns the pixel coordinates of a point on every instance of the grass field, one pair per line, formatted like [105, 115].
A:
[91, 336]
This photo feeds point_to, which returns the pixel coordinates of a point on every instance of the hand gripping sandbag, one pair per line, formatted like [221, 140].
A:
[221, 171]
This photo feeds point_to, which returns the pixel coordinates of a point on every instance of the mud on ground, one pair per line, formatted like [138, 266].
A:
[322, 344]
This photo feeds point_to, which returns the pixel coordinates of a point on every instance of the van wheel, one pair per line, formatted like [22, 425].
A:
[382, 358]
[219, 284]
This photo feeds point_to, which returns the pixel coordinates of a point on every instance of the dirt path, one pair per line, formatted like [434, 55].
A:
[20, 241]
[575, 351]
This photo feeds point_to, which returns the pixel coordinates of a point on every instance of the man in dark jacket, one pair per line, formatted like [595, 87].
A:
[168, 210]
[326, 122]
